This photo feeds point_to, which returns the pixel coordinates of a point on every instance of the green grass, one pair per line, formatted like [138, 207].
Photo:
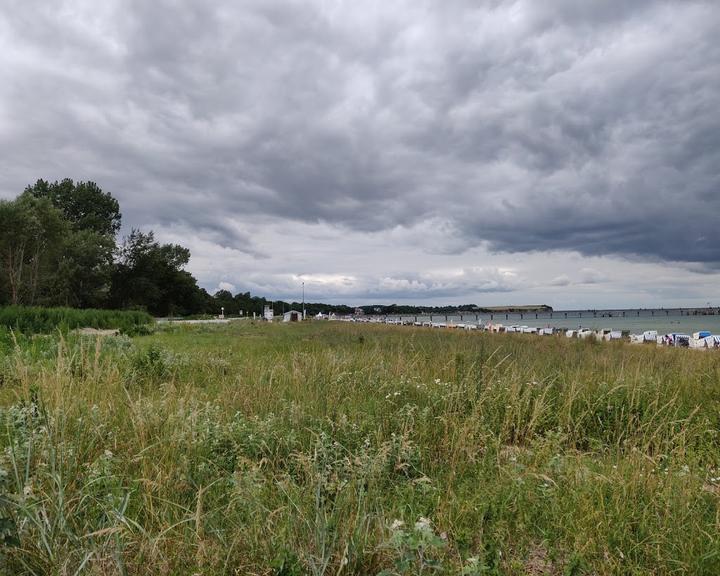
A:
[39, 320]
[330, 448]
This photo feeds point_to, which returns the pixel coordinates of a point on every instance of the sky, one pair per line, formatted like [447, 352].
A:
[491, 152]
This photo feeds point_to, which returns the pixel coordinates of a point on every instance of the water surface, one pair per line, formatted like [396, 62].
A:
[634, 321]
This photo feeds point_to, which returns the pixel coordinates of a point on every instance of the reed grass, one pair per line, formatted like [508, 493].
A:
[40, 320]
[328, 448]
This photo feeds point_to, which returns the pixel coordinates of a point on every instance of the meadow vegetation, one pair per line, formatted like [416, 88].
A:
[332, 448]
[40, 320]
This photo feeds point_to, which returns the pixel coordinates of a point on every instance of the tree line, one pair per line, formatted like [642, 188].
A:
[59, 247]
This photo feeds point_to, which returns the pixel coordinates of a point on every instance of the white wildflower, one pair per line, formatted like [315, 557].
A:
[423, 524]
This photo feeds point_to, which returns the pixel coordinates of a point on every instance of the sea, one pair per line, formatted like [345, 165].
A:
[684, 321]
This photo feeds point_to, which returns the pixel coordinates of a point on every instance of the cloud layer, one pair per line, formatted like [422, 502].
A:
[451, 128]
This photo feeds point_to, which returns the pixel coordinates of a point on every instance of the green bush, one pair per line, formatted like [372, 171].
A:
[37, 320]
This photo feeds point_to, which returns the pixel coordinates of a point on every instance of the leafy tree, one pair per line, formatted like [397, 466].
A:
[85, 270]
[84, 205]
[249, 304]
[150, 275]
[224, 299]
[32, 233]
[94, 218]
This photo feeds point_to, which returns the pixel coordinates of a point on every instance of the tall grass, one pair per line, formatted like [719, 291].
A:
[38, 320]
[338, 449]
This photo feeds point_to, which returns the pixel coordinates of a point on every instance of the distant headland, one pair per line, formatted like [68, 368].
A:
[393, 309]
[517, 309]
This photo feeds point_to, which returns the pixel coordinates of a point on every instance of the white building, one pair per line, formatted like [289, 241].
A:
[268, 313]
[292, 316]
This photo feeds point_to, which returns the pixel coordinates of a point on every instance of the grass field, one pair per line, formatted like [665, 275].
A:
[330, 448]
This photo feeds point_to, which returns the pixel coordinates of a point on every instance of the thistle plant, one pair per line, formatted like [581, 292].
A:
[417, 550]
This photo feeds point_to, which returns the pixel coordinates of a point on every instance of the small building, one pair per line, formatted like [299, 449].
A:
[292, 316]
[268, 313]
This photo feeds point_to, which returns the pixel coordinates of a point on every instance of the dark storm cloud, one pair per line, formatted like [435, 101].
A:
[526, 126]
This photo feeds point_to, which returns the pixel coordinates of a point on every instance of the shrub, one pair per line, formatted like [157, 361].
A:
[38, 320]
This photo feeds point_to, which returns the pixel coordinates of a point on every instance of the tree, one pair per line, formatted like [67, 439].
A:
[84, 205]
[224, 299]
[249, 304]
[85, 270]
[32, 233]
[58, 246]
[150, 275]
[94, 219]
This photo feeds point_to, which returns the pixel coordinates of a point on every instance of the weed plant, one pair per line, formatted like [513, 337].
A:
[329, 448]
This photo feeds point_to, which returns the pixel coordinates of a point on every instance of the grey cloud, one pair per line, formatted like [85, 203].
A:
[562, 280]
[458, 284]
[525, 126]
